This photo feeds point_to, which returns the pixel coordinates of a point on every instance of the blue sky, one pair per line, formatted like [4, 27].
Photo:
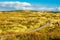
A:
[44, 2]
[51, 5]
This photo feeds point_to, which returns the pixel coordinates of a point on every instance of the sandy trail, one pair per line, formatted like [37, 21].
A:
[46, 25]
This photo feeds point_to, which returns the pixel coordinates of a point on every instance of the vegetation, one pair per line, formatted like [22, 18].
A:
[15, 25]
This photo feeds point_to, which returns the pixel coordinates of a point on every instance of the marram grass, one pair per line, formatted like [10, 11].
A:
[15, 25]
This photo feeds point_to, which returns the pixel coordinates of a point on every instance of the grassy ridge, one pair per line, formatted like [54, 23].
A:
[18, 22]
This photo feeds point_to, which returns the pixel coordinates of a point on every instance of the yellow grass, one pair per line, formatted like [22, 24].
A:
[23, 21]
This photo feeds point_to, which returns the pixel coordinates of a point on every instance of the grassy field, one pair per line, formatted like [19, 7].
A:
[15, 25]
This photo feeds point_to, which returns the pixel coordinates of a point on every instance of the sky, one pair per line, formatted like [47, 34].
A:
[41, 5]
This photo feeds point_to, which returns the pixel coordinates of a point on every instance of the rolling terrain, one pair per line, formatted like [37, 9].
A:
[25, 25]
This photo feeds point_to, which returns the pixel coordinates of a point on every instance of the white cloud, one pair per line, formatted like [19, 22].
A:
[16, 5]
[47, 8]
[58, 8]
[24, 6]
